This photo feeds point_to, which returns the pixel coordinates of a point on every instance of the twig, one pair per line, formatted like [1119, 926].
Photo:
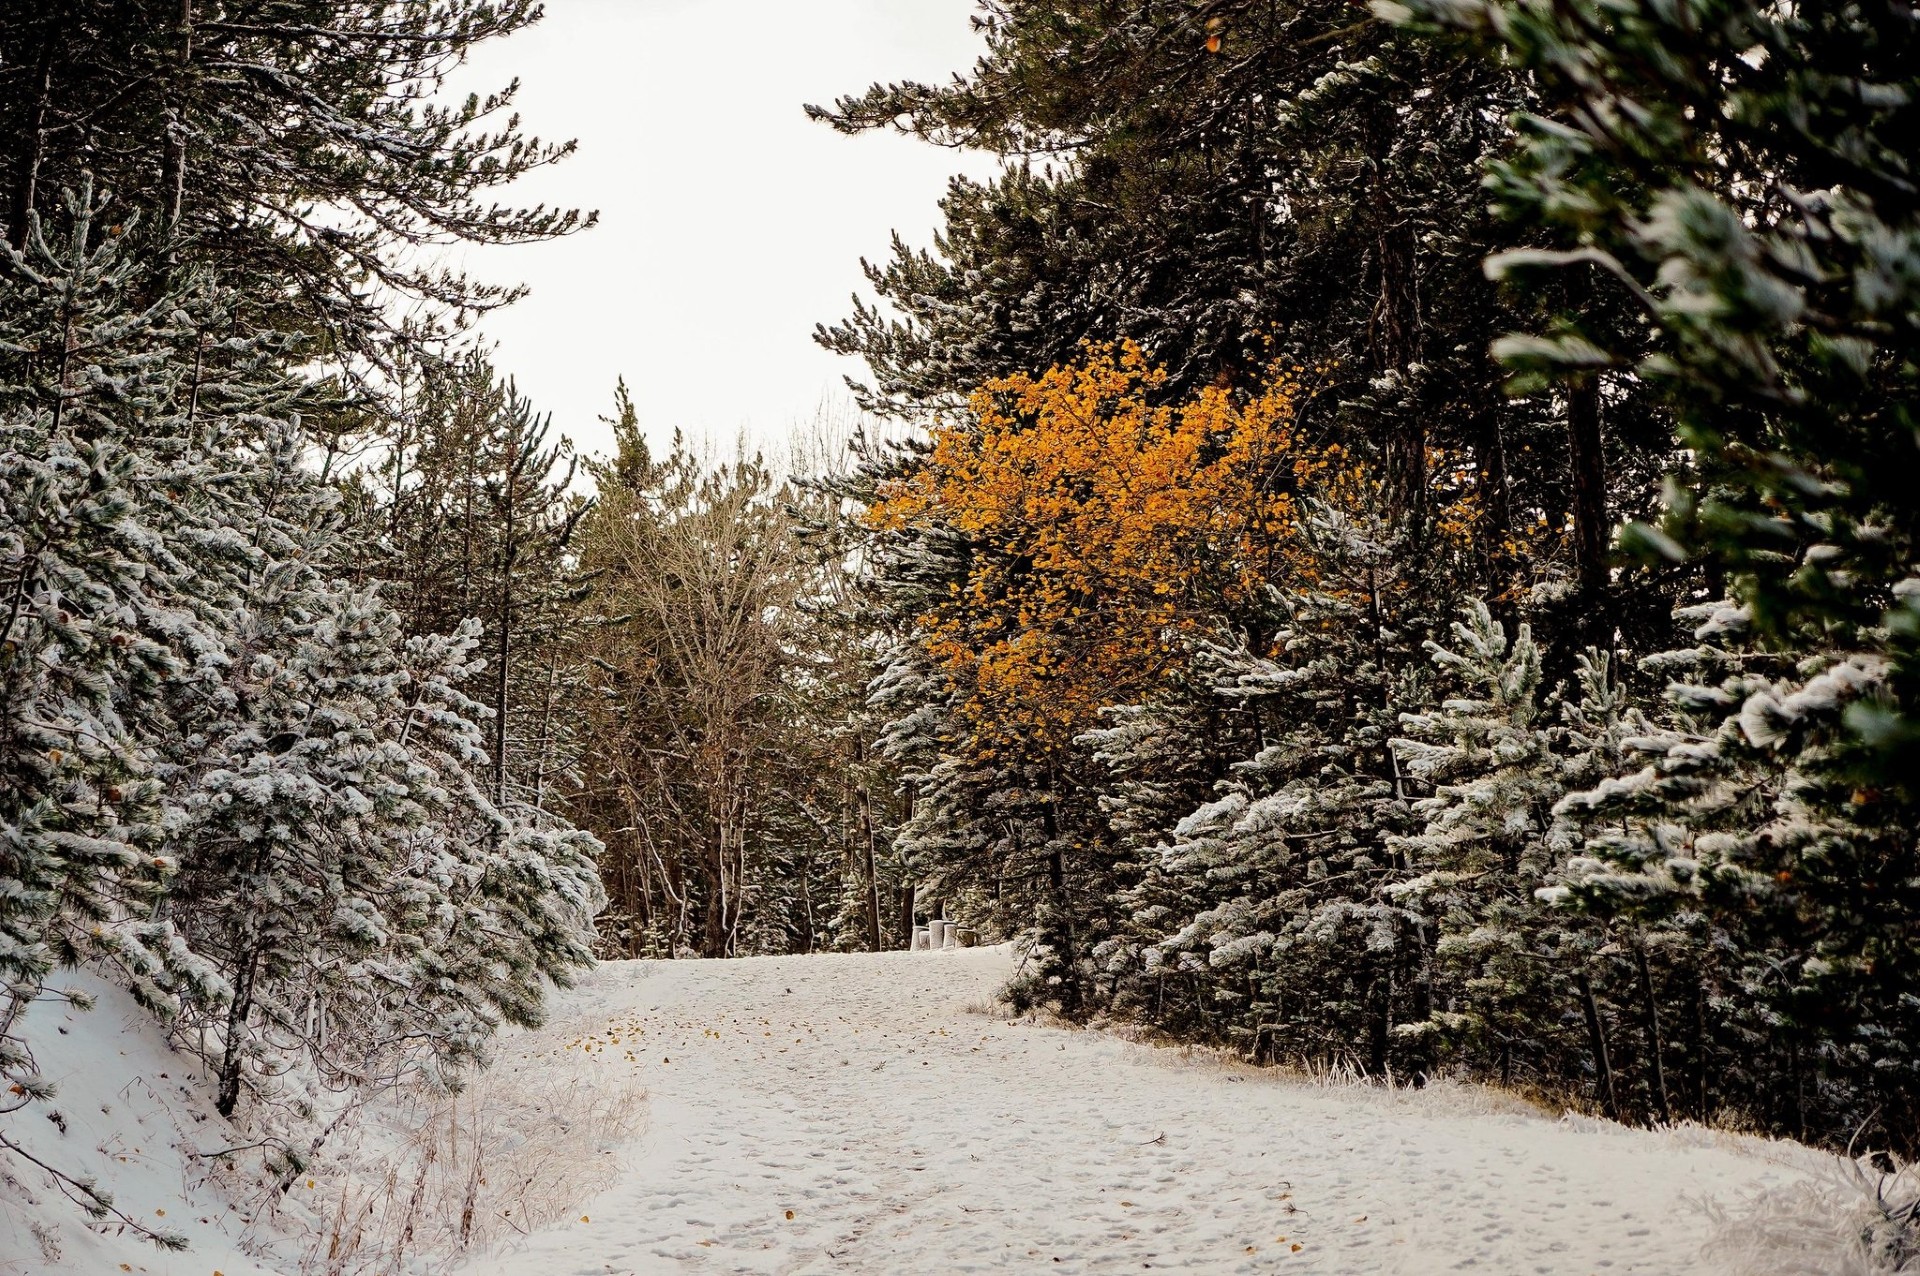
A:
[93, 1200]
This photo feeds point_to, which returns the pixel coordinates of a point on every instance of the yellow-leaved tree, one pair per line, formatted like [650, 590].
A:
[1106, 530]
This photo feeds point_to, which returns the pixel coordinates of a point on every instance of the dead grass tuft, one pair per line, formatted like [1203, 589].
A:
[426, 1179]
[1851, 1221]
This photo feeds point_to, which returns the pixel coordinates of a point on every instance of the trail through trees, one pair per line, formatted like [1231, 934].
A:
[864, 1113]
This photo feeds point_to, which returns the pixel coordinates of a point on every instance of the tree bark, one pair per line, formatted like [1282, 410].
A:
[1701, 1111]
[1597, 1035]
[26, 180]
[509, 559]
[1397, 323]
[713, 928]
[173, 170]
[1395, 327]
[239, 1010]
[1654, 1045]
[1382, 1026]
[865, 798]
[1587, 463]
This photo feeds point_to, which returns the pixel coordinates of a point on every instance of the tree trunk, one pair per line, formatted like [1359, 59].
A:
[806, 907]
[1654, 1047]
[238, 1012]
[1587, 463]
[173, 166]
[1381, 1032]
[713, 922]
[26, 181]
[1597, 1035]
[1397, 336]
[1395, 328]
[906, 914]
[1062, 916]
[865, 798]
[1700, 1044]
[1490, 466]
[502, 650]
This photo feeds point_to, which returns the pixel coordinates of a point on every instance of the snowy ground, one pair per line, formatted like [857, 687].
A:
[875, 1114]
[859, 1114]
[128, 1113]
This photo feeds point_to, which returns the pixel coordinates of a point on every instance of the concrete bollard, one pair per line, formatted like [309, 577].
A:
[938, 930]
[920, 939]
[950, 937]
[967, 936]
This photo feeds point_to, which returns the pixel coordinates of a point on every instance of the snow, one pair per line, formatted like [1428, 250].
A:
[872, 1113]
[878, 1114]
[132, 1110]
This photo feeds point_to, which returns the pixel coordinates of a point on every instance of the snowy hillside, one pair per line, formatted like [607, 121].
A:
[130, 1114]
[406, 1183]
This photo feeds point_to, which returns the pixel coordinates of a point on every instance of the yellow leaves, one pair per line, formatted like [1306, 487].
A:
[1109, 529]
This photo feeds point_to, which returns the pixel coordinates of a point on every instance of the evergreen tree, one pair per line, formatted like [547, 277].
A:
[1260, 919]
[470, 514]
[124, 425]
[231, 782]
[1740, 175]
[228, 777]
[1784, 905]
[291, 144]
[1487, 758]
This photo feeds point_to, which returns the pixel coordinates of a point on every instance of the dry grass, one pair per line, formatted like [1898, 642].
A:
[1852, 1221]
[425, 1179]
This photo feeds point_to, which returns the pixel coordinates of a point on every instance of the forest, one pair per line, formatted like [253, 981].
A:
[1382, 537]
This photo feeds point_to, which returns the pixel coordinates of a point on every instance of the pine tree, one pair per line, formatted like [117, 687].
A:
[227, 123]
[121, 561]
[1488, 759]
[1739, 175]
[1261, 919]
[1781, 902]
[471, 514]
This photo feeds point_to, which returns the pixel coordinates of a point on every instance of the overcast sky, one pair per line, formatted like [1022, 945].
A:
[729, 223]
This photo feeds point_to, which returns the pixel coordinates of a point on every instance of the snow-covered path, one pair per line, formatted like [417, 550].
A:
[858, 1114]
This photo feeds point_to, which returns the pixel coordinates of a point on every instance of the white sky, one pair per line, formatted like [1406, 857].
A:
[729, 223]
